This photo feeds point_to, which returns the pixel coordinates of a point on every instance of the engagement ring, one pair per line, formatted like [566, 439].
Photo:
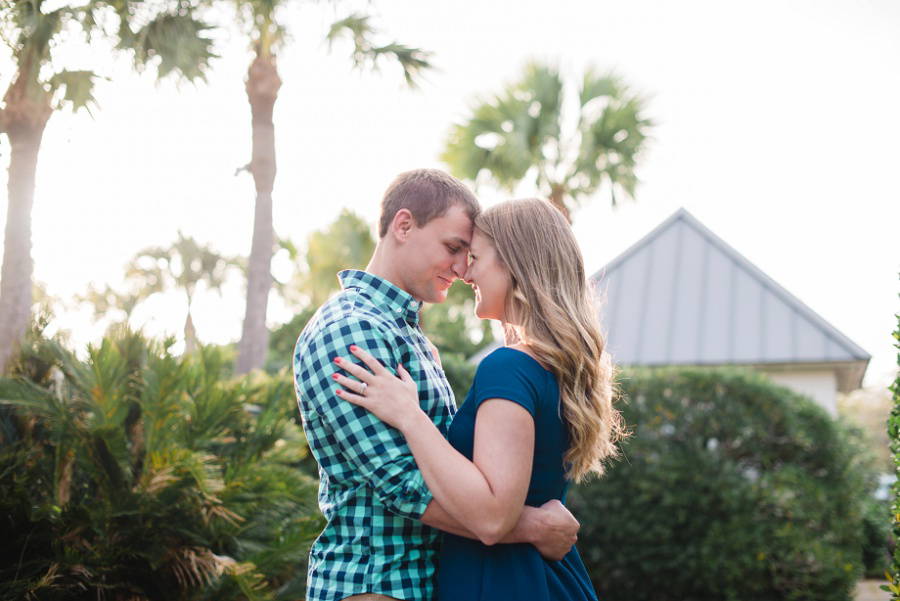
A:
[362, 388]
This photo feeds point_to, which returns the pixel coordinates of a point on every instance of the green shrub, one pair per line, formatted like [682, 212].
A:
[138, 474]
[731, 488]
[893, 427]
[460, 374]
[876, 537]
[282, 341]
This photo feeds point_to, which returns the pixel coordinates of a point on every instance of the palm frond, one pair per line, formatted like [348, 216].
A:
[35, 29]
[358, 27]
[518, 133]
[73, 88]
[177, 41]
[112, 490]
[105, 300]
[597, 85]
[508, 134]
[414, 61]
[613, 134]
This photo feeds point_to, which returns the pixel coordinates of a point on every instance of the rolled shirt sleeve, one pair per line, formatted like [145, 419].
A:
[372, 450]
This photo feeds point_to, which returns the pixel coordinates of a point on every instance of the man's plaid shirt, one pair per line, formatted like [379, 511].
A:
[370, 490]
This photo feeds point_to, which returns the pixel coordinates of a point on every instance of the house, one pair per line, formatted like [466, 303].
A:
[682, 296]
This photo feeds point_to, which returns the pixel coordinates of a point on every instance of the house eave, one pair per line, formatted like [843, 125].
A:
[849, 373]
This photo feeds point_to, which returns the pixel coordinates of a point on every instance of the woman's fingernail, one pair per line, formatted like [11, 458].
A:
[337, 359]
[338, 391]
[352, 347]
[334, 376]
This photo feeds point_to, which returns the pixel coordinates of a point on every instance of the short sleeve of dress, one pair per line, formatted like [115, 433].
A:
[511, 375]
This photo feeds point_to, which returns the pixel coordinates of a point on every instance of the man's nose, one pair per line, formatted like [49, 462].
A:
[460, 266]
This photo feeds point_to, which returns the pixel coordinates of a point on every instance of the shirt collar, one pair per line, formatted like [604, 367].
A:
[392, 298]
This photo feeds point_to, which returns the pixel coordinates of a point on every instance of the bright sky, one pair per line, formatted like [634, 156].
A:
[777, 128]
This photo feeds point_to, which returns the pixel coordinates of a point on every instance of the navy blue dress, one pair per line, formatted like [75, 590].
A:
[470, 570]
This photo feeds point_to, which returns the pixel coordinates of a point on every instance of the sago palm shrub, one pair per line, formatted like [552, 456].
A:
[136, 474]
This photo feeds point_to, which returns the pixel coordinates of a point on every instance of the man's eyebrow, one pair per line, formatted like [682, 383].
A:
[461, 241]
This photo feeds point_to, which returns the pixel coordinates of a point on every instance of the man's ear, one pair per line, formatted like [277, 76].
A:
[401, 225]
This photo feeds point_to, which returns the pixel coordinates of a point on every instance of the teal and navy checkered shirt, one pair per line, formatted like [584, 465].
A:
[370, 490]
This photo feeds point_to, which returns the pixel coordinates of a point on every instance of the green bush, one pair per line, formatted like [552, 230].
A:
[135, 474]
[460, 374]
[876, 537]
[282, 341]
[893, 427]
[731, 488]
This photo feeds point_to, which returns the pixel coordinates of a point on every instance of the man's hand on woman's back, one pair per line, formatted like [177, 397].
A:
[555, 530]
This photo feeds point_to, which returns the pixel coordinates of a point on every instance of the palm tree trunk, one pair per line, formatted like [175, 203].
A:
[190, 335]
[262, 91]
[557, 197]
[23, 119]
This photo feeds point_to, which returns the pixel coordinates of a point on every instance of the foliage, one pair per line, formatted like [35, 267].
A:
[731, 488]
[893, 428]
[345, 243]
[876, 529]
[520, 134]
[135, 474]
[868, 464]
[169, 36]
[359, 29]
[283, 339]
[870, 408]
[184, 265]
[460, 374]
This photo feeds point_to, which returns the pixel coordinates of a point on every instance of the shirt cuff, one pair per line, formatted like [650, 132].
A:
[406, 495]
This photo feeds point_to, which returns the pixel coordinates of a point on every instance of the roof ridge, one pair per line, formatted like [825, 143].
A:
[779, 291]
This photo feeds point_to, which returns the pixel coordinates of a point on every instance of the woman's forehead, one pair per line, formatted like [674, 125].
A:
[480, 239]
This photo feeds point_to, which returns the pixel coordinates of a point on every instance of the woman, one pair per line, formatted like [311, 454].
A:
[539, 413]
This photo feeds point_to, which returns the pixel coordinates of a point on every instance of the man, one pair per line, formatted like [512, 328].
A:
[382, 539]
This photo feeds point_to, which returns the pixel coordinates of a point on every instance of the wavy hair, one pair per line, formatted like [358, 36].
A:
[554, 312]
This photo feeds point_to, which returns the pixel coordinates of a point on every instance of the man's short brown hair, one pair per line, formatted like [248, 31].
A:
[427, 193]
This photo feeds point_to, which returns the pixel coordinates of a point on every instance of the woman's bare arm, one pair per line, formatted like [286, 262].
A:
[485, 495]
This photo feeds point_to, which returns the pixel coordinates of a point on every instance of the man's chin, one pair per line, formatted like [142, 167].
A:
[437, 297]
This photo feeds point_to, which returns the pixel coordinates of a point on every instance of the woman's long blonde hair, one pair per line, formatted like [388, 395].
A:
[554, 313]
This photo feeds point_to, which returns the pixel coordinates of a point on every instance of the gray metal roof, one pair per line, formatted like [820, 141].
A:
[682, 296]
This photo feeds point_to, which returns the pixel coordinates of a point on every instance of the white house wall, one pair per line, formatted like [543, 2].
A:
[821, 386]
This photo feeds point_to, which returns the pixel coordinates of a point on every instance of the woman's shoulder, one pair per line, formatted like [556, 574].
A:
[512, 374]
[509, 357]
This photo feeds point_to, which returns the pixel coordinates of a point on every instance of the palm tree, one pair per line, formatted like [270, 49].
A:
[181, 266]
[263, 83]
[521, 134]
[34, 29]
[134, 474]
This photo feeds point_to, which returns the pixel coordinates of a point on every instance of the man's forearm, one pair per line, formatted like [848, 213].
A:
[522, 532]
[550, 528]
